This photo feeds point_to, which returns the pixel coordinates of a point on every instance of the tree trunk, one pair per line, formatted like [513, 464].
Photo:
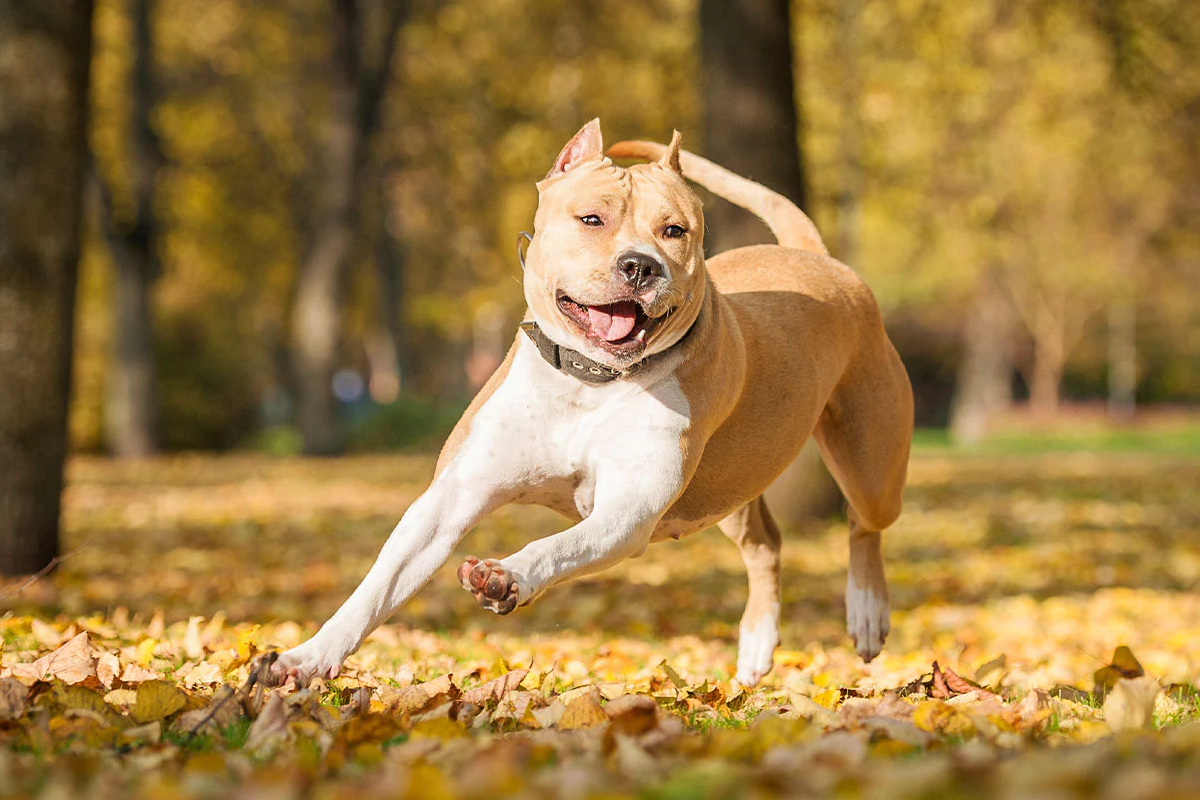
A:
[386, 349]
[1049, 359]
[984, 387]
[751, 124]
[130, 409]
[750, 110]
[1122, 336]
[357, 89]
[848, 242]
[45, 52]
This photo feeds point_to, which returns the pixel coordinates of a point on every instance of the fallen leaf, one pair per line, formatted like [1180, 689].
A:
[108, 667]
[157, 700]
[1123, 665]
[937, 716]
[270, 729]
[222, 711]
[72, 663]
[62, 697]
[494, 690]
[1130, 703]
[583, 711]
[989, 668]
[13, 696]
[947, 683]
[419, 697]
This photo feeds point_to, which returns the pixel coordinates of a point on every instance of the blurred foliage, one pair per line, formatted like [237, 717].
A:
[1053, 141]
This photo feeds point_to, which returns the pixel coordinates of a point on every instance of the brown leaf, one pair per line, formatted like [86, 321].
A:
[72, 663]
[947, 683]
[418, 698]
[518, 707]
[270, 729]
[494, 690]
[13, 697]
[631, 715]
[221, 712]
[1123, 665]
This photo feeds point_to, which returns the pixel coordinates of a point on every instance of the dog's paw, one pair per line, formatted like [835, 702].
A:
[868, 620]
[304, 663]
[756, 650]
[493, 586]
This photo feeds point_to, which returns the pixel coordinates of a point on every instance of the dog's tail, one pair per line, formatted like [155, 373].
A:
[791, 226]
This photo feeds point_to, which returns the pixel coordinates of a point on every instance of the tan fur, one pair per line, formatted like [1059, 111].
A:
[787, 343]
[735, 362]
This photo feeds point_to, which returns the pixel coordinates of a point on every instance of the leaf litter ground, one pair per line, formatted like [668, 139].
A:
[1045, 642]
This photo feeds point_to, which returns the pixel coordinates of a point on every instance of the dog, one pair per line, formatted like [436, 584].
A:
[651, 394]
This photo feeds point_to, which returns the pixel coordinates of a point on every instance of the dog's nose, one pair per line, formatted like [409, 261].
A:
[637, 268]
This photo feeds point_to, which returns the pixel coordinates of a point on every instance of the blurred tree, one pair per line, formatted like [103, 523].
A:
[751, 122]
[45, 52]
[132, 231]
[364, 38]
[751, 117]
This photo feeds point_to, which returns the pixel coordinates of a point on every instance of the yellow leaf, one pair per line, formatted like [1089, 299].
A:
[791, 658]
[438, 728]
[62, 697]
[245, 643]
[145, 652]
[830, 699]
[673, 676]
[937, 716]
[157, 700]
[582, 712]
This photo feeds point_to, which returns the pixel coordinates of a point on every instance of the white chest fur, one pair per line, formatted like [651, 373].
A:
[549, 437]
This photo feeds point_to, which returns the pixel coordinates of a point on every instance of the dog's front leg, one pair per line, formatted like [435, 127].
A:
[417, 547]
[626, 510]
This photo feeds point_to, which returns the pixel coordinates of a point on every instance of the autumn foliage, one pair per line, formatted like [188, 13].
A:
[1023, 588]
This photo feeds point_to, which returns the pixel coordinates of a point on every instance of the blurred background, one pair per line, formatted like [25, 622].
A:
[299, 219]
[303, 216]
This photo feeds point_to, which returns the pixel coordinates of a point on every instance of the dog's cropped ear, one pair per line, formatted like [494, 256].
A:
[586, 144]
[670, 159]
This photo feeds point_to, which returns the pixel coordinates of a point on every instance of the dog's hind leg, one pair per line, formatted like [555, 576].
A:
[755, 533]
[864, 437]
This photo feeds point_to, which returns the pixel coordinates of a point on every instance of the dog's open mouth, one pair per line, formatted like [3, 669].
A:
[620, 327]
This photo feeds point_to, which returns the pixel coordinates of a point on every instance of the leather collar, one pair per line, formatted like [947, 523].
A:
[576, 364]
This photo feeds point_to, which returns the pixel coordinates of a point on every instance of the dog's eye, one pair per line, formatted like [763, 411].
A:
[674, 231]
[592, 220]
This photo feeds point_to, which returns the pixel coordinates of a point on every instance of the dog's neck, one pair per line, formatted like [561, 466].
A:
[578, 366]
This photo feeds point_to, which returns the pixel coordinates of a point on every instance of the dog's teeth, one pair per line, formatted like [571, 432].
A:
[641, 337]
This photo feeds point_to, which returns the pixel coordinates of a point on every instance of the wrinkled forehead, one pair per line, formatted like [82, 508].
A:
[647, 186]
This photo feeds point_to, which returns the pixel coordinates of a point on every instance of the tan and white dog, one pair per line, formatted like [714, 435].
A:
[654, 394]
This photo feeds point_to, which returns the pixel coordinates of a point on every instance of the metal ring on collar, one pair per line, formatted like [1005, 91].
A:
[521, 251]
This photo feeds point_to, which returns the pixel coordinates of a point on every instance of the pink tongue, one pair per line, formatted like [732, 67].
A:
[613, 322]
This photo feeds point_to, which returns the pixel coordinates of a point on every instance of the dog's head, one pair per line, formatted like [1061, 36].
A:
[616, 266]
